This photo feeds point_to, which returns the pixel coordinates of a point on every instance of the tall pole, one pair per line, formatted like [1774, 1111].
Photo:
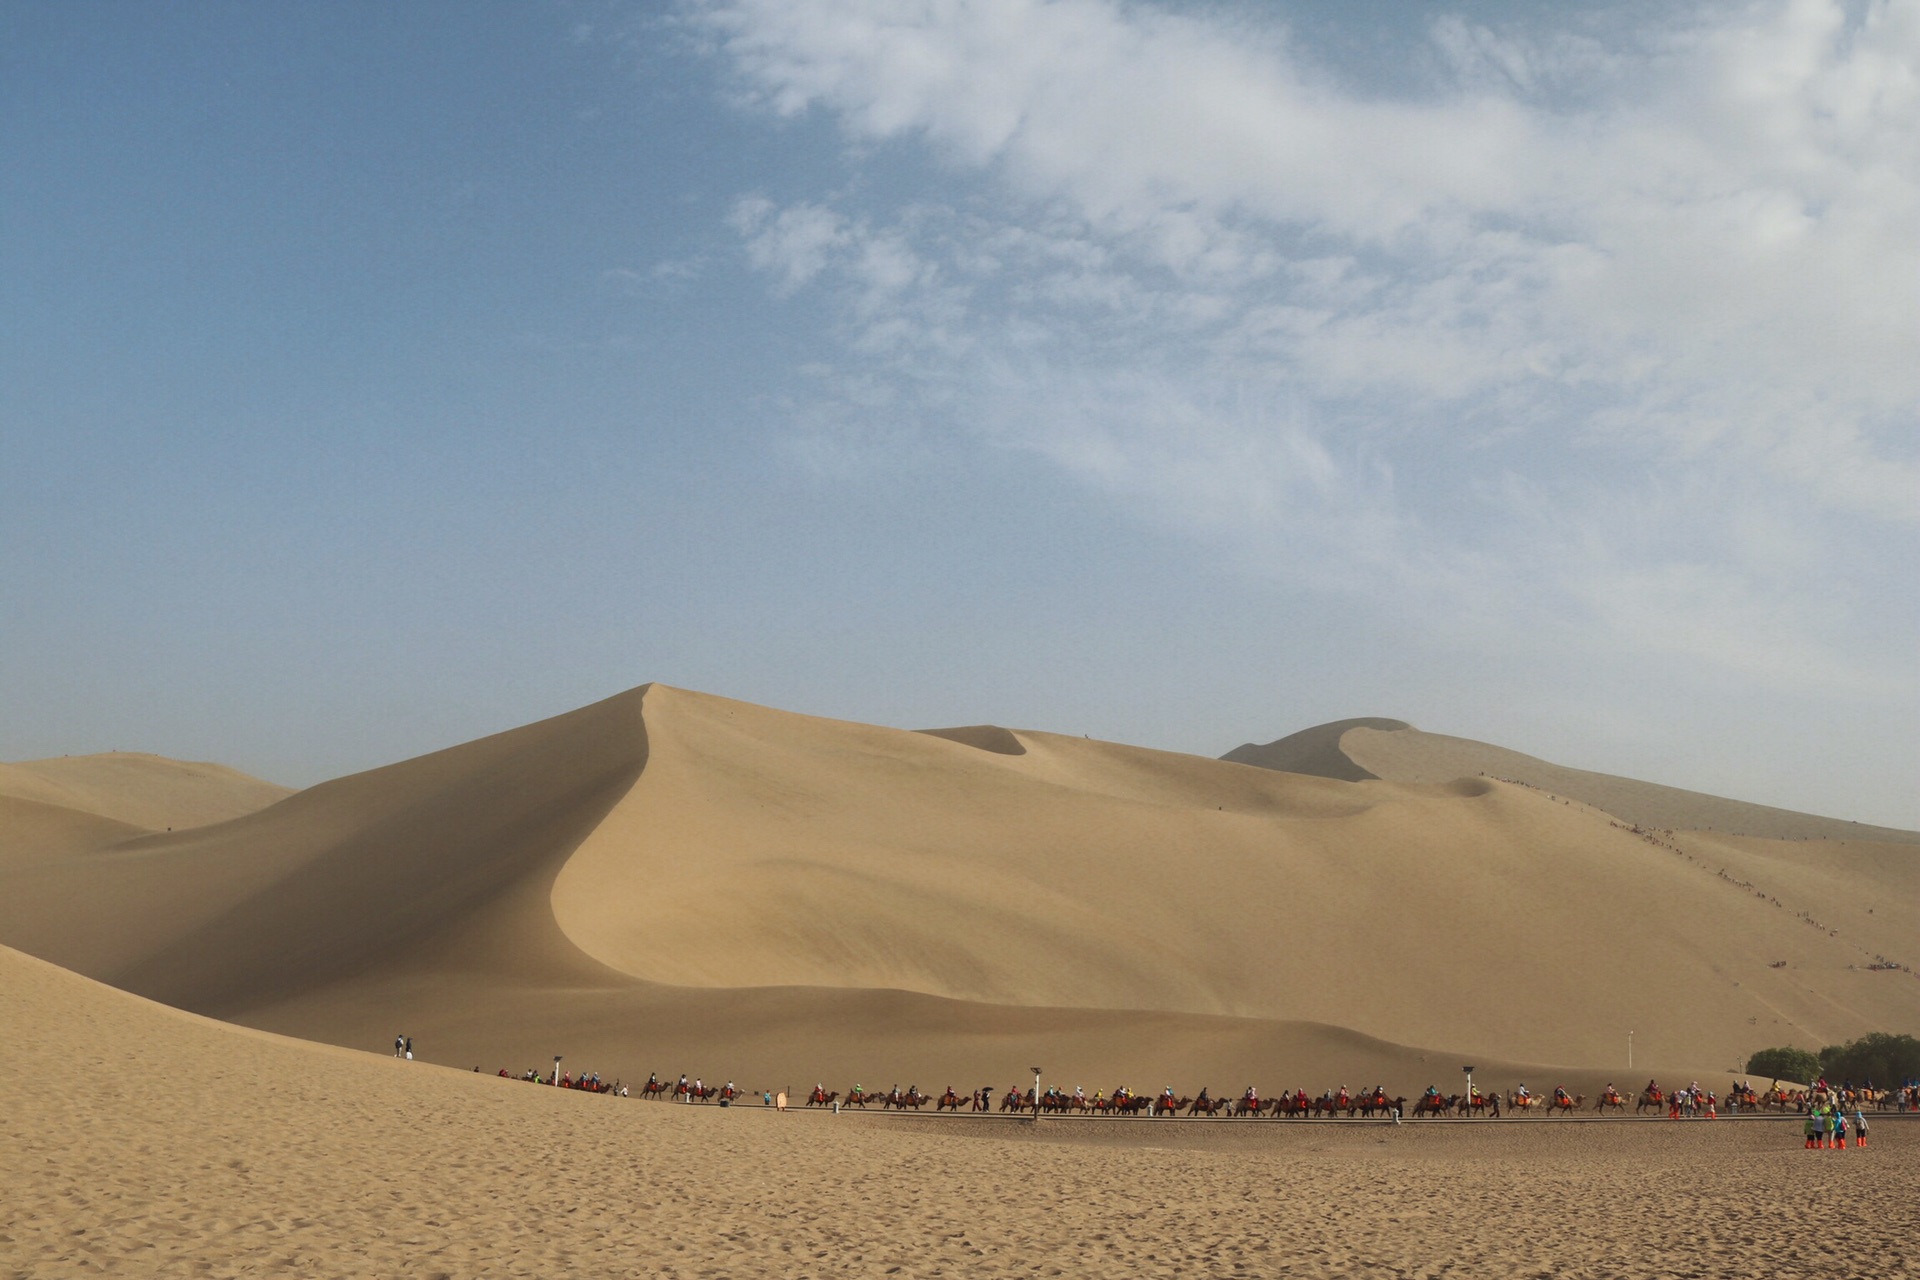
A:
[1036, 1093]
[1629, 1050]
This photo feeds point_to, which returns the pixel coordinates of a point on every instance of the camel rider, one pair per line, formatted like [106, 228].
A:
[1433, 1091]
[1522, 1093]
[1559, 1093]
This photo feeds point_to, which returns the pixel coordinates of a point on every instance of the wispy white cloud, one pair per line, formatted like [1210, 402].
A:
[1430, 343]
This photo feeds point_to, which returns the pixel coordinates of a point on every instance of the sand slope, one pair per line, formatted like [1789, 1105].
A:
[668, 880]
[30, 829]
[139, 1141]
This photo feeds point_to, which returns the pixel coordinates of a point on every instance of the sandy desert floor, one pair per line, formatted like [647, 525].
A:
[137, 1140]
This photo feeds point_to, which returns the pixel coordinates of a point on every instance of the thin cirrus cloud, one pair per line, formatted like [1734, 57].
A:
[1575, 327]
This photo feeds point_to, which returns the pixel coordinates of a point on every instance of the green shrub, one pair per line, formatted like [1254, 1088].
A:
[1885, 1059]
[1797, 1065]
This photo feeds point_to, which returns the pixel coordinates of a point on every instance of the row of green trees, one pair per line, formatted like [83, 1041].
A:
[1886, 1060]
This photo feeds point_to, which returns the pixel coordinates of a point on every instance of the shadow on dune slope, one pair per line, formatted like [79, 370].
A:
[347, 875]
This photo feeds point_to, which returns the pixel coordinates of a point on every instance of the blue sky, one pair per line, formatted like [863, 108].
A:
[375, 377]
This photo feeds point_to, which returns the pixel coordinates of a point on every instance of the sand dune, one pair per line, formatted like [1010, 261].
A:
[1398, 752]
[31, 829]
[140, 790]
[667, 879]
[343, 876]
[1317, 751]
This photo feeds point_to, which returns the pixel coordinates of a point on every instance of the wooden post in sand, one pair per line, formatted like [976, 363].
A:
[1036, 1093]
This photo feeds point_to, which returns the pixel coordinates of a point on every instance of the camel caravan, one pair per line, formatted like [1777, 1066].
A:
[1687, 1102]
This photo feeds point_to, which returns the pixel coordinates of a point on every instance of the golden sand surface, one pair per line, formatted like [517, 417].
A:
[138, 1140]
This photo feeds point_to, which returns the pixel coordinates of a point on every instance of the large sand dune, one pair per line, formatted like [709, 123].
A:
[668, 880]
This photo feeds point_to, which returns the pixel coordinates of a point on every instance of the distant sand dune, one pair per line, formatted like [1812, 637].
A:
[33, 829]
[985, 737]
[140, 790]
[1316, 751]
[1398, 752]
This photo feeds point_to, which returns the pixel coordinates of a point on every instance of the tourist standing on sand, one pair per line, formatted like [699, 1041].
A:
[399, 1045]
[408, 1041]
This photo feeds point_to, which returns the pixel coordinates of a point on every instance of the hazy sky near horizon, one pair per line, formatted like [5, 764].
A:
[374, 377]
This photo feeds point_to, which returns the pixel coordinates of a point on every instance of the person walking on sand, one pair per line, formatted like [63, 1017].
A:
[399, 1045]
[1812, 1131]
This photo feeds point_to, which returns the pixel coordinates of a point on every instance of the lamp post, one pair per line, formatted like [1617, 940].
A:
[556, 1070]
[1036, 1091]
[1629, 1050]
[1469, 1071]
